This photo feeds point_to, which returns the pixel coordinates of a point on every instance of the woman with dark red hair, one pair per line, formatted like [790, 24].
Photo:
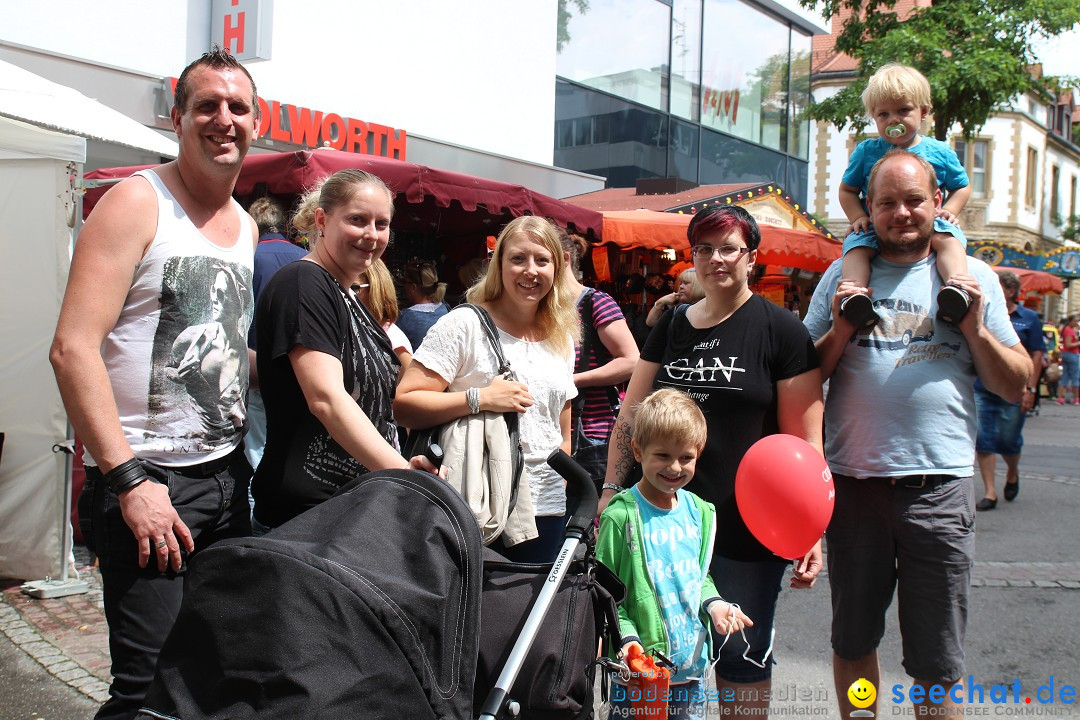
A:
[752, 369]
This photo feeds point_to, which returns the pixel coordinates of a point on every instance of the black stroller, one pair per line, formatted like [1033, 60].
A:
[369, 606]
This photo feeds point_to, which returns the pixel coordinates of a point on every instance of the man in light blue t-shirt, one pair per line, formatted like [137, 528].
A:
[900, 430]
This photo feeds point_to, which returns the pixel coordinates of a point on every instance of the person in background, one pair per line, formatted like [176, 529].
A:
[1001, 423]
[166, 253]
[375, 288]
[752, 369]
[900, 430]
[689, 290]
[328, 368]
[656, 537]
[454, 372]
[604, 358]
[273, 252]
[1070, 362]
[421, 287]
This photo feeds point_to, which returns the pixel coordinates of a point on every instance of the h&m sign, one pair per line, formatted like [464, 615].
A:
[243, 27]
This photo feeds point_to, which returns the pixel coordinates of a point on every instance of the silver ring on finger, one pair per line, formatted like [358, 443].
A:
[160, 544]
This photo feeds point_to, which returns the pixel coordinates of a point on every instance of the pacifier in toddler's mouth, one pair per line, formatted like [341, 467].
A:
[897, 130]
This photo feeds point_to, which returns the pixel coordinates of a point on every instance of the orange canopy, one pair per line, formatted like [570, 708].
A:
[656, 230]
[1036, 281]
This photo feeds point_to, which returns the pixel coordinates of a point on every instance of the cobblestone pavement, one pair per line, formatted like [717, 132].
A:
[67, 636]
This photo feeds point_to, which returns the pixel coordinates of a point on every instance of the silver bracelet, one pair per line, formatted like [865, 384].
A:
[472, 396]
[612, 486]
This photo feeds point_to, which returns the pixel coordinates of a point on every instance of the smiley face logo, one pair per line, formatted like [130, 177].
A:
[862, 693]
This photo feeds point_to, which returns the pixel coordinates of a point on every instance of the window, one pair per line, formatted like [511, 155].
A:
[1072, 198]
[975, 156]
[635, 70]
[1032, 177]
[1055, 207]
[686, 58]
[744, 83]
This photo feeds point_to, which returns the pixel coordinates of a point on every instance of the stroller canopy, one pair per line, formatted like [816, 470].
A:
[366, 606]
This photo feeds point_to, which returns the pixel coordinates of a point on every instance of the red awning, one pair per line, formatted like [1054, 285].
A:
[779, 246]
[428, 199]
[1036, 281]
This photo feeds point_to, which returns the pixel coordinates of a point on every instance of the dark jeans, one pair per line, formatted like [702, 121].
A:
[141, 604]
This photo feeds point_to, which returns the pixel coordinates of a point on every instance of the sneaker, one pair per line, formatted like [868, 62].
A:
[953, 304]
[1060, 401]
[859, 310]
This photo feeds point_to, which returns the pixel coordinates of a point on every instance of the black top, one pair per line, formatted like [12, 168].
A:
[731, 371]
[302, 304]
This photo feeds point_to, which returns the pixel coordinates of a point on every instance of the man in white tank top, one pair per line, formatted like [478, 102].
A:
[150, 356]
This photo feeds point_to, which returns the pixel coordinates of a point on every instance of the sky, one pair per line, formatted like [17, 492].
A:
[1061, 55]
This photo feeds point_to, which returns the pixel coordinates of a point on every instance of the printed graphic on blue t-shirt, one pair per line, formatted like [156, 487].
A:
[672, 542]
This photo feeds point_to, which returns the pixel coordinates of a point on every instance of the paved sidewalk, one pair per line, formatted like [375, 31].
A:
[67, 636]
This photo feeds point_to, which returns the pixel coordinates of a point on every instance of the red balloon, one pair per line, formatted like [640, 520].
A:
[785, 494]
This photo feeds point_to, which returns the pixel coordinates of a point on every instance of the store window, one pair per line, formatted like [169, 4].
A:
[745, 73]
[799, 97]
[686, 58]
[975, 157]
[683, 149]
[1032, 178]
[617, 46]
[599, 134]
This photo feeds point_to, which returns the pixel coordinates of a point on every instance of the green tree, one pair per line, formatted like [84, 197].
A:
[975, 53]
[1071, 231]
[563, 31]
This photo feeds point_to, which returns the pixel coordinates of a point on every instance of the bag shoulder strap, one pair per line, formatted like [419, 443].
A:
[589, 336]
[492, 334]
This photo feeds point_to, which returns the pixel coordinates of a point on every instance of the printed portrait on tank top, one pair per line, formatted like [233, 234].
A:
[200, 361]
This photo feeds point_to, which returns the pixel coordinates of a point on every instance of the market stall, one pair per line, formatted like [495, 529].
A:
[659, 239]
[429, 202]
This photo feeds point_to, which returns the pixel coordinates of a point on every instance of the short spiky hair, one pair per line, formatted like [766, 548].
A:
[669, 414]
[216, 59]
[894, 81]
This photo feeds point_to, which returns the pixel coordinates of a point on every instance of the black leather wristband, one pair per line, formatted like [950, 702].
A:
[125, 475]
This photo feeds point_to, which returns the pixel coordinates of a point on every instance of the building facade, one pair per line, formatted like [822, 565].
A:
[706, 91]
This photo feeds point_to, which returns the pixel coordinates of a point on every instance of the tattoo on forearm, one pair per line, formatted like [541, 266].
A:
[622, 434]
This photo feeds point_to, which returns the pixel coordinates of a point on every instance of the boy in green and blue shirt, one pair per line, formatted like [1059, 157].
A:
[658, 537]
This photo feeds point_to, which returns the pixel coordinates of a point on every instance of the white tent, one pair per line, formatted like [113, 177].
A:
[43, 131]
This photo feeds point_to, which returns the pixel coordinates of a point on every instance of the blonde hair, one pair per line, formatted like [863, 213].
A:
[382, 296]
[557, 316]
[268, 215]
[303, 220]
[669, 414]
[697, 290]
[425, 276]
[893, 82]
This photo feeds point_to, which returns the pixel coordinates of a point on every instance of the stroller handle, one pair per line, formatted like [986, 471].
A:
[581, 497]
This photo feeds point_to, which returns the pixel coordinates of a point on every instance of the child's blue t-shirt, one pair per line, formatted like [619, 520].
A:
[951, 175]
[672, 542]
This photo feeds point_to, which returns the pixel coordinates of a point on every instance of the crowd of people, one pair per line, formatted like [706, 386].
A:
[171, 278]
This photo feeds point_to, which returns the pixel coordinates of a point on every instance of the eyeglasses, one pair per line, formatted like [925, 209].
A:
[728, 253]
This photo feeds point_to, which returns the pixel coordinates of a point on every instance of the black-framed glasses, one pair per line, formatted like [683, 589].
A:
[728, 253]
